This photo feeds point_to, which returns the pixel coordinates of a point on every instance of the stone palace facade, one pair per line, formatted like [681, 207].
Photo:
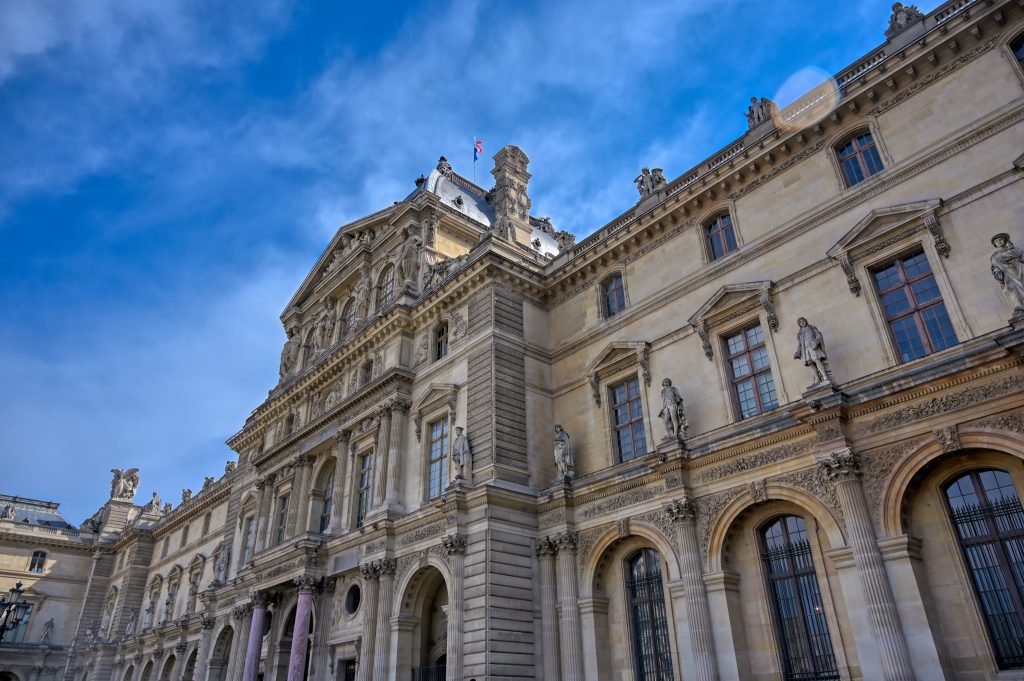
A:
[766, 424]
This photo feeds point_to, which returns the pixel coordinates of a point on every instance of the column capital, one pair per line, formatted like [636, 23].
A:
[546, 547]
[681, 510]
[259, 599]
[369, 573]
[307, 583]
[342, 437]
[264, 480]
[841, 465]
[454, 544]
[565, 541]
[385, 567]
[206, 623]
[240, 611]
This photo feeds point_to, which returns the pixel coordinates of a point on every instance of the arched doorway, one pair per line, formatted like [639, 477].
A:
[423, 633]
[221, 655]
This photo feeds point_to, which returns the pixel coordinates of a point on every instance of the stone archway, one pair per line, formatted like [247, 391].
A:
[284, 647]
[147, 672]
[190, 666]
[422, 627]
[221, 655]
[168, 669]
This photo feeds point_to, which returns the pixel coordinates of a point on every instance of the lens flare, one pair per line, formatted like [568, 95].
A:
[805, 98]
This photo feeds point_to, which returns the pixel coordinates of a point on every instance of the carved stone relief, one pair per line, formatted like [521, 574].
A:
[754, 461]
[709, 510]
[946, 403]
[629, 498]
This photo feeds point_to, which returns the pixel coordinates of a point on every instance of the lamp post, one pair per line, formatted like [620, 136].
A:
[12, 611]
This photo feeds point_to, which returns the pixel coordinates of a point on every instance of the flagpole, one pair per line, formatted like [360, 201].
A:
[474, 159]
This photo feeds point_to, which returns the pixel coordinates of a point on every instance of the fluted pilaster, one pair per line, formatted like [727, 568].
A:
[386, 571]
[571, 635]
[455, 547]
[366, 653]
[546, 551]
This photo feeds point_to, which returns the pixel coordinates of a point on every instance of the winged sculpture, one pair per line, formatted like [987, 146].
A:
[124, 484]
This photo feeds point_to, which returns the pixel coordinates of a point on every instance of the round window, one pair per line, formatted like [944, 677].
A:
[352, 599]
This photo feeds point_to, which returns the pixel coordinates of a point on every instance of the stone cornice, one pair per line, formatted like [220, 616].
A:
[199, 504]
[76, 544]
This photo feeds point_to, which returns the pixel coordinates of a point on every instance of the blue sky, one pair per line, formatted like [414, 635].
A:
[170, 170]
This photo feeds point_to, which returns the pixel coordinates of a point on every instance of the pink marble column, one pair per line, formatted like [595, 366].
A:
[300, 634]
[252, 650]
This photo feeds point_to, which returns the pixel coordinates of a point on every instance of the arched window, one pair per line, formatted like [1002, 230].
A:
[858, 157]
[441, 340]
[613, 295]
[38, 563]
[721, 236]
[651, 651]
[989, 523]
[386, 288]
[328, 503]
[800, 623]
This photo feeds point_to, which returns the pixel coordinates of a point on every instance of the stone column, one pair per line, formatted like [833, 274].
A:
[843, 468]
[546, 550]
[381, 450]
[684, 514]
[242, 616]
[203, 651]
[298, 500]
[395, 443]
[265, 485]
[319, 655]
[300, 633]
[382, 648]
[571, 636]
[341, 440]
[455, 547]
[366, 653]
[252, 650]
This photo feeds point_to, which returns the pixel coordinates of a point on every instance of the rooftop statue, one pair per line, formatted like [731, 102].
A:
[289, 354]
[124, 484]
[902, 17]
[760, 110]
[649, 181]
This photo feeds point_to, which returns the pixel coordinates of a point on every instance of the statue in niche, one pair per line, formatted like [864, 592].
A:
[1008, 269]
[901, 18]
[47, 634]
[409, 257]
[124, 484]
[672, 411]
[325, 325]
[129, 628]
[460, 453]
[362, 301]
[221, 566]
[811, 349]
[289, 354]
[563, 453]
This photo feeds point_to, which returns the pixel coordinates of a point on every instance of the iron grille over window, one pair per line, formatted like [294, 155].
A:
[613, 295]
[752, 382]
[989, 522]
[859, 159]
[721, 236]
[651, 649]
[438, 456]
[800, 622]
[913, 306]
[628, 420]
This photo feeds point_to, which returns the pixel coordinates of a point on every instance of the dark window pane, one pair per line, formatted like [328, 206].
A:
[912, 304]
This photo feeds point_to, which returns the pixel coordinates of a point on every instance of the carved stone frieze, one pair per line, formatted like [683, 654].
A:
[948, 437]
[552, 518]
[946, 403]
[1011, 421]
[630, 498]
[375, 546]
[421, 534]
[754, 461]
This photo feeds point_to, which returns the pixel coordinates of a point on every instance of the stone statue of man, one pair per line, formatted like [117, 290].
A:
[129, 628]
[362, 301]
[289, 354]
[563, 453]
[811, 349]
[409, 257]
[672, 410]
[1008, 269]
[460, 452]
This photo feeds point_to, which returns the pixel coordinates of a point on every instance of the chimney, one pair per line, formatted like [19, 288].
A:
[510, 199]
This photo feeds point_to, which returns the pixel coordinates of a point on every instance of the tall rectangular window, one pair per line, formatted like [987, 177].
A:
[328, 504]
[363, 491]
[752, 383]
[184, 536]
[613, 295]
[438, 456]
[721, 236]
[282, 517]
[247, 538]
[913, 306]
[166, 547]
[628, 420]
[38, 563]
[441, 341]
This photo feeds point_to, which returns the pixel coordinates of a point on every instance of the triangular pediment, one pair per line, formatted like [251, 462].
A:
[435, 394]
[617, 353]
[882, 223]
[730, 298]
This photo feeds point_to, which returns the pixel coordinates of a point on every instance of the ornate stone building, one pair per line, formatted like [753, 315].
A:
[766, 424]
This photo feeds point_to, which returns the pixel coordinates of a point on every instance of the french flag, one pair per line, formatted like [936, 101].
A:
[478, 149]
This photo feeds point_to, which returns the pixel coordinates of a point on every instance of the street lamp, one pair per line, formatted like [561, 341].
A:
[12, 611]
